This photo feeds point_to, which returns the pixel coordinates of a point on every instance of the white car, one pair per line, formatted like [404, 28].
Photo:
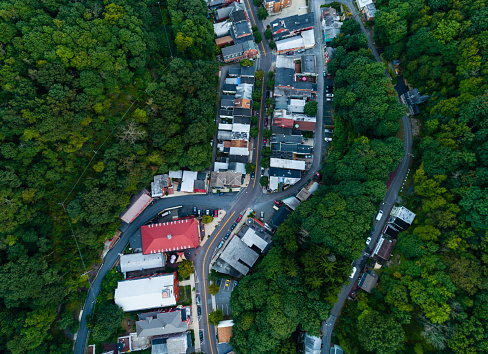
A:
[368, 240]
[329, 95]
[353, 272]
[328, 99]
[328, 139]
[328, 130]
[379, 215]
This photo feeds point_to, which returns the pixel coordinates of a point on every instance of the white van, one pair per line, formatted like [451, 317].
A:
[379, 215]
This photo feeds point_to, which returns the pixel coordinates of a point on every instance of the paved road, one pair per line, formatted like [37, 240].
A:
[386, 205]
[233, 204]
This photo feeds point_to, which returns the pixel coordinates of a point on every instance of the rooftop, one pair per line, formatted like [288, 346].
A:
[284, 77]
[140, 261]
[308, 64]
[404, 214]
[368, 281]
[224, 330]
[228, 178]
[384, 248]
[239, 256]
[137, 204]
[164, 323]
[252, 238]
[170, 236]
[146, 293]
[292, 23]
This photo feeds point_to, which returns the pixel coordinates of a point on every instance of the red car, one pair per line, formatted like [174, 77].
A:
[278, 202]
[264, 140]
[239, 218]
[290, 52]
[266, 121]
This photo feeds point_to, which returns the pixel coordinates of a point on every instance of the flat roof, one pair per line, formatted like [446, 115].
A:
[140, 261]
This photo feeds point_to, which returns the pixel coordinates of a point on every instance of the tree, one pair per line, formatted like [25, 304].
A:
[263, 181]
[270, 83]
[262, 13]
[269, 101]
[380, 333]
[207, 219]
[213, 289]
[268, 34]
[185, 268]
[257, 37]
[246, 62]
[108, 319]
[272, 45]
[310, 108]
[215, 317]
[256, 95]
[267, 133]
[259, 74]
[254, 120]
[254, 132]
[250, 167]
[257, 3]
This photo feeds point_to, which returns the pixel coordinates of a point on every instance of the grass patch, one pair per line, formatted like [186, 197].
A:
[185, 295]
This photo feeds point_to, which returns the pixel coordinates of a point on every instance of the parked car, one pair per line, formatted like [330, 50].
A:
[379, 215]
[278, 202]
[239, 218]
[178, 188]
[220, 244]
[201, 335]
[234, 226]
[301, 51]
[219, 281]
[207, 212]
[329, 130]
[328, 139]
[235, 283]
[227, 235]
[198, 299]
[328, 99]
[216, 213]
[329, 95]
[325, 73]
[353, 272]
[199, 311]
[266, 121]
[199, 212]
[290, 52]
[268, 94]
[368, 240]
[262, 215]
[227, 282]
[265, 141]
[194, 210]
[252, 174]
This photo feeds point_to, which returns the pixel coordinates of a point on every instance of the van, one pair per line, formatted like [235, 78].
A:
[379, 215]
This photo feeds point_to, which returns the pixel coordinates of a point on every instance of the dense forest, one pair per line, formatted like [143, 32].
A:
[124, 89]
[297, 282]
[435, 299]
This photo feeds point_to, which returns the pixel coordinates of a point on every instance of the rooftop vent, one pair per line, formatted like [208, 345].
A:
[169, 236]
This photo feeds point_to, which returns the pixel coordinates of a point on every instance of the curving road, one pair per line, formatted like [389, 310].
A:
[386, 205]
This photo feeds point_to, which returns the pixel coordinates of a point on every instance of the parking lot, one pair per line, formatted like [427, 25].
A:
[222, 298]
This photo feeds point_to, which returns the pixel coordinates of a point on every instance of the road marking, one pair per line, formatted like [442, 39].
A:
[259, 137]
[204, 287]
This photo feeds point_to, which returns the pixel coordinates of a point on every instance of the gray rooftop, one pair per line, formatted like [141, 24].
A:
[308, 64]
[239, 256]
[231, 50]
[138, 261]
[290, 139]
[284, 77]
[292, 23]
[368, 281]
[234, 72]
[283, 172]
[252, 238]
[164, 323]
[248, 71]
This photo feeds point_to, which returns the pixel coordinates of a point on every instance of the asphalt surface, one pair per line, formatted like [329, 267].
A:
[232, 203]
[388, 201]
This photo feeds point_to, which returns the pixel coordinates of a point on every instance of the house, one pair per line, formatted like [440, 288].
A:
[188, 181]
[391, 231]
[226, 179]
[240, 51]
[175, 174]
[279, 217]
[292, 147]
[244, 91]
[363, 3]
[243, 103]
[412, 99]
[308, 37]
[224, 332]
[401, 218]
[292, 202]
[383, 249]
[275, 6]
[228, 89]
[137, 204]
[234, 72]
[291, 26]
[285, 62]
[284, 77]
[170, 236]
[224, 13]
[282, 176]
[308, 65]
[305, 124]
[287, 139]
[248, 71]
[369, 12]
[312, 344]
[368, 281]
[135, 263]
[241, 28]
[172, 344]
[288, 164]
[147, 293]
[257, 241]
[160, 185]
[216, 4]
[331, 23]
[304, 194]
[237, 258]
[289, 44]
[227, 104]
[223, 41]
[162, 323]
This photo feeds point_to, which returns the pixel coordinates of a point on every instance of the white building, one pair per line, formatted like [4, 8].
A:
[288, 164]
[138, 261]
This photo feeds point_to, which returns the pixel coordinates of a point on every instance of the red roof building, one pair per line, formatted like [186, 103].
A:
[170, 236]
[283, 122]
[305, 125]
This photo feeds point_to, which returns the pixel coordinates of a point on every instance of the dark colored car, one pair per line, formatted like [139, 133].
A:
[235, 283]
[199, 311]
[252, 174]
[265, 121]
[239, 218]
[234, 226]
[227, 235]
[201, 335]
[219, 281]
[290, 52]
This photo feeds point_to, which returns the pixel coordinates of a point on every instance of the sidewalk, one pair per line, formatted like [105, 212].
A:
[210, 227]
[195, 326]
